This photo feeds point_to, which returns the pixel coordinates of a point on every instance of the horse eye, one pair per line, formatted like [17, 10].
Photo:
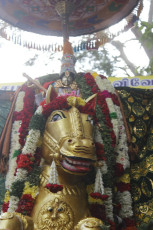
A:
[60, 209]
[56, 117]
[50, 209]
[90, 119]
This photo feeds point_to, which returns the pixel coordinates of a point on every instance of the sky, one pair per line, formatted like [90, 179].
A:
[13, 57]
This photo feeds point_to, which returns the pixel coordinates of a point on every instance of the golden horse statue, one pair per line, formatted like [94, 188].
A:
[68, 144]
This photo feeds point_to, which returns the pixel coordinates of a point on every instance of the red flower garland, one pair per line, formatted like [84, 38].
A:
[97, 195]
[54, 188]
[100, 152]
[25, 205]
[56, 104]
[5, 206]
[119, 170]
[26, 113]
[122, 187]
[98, 211]
[25, 161]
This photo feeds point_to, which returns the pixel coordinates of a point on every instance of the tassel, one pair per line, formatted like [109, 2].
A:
[99, 187]
[54, 185]
[53, 179]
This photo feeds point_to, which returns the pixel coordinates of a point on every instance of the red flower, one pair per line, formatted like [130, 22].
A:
[5, 206]
[112, 225]
[25, 161]
[26, 113]
[121, 187]
[115, 99]
[99, 151]
[102, 77]
[97, 195]
[113, 138]
[37, 156]
[106, 94]
[25, 205]
[119, 170]
[118, 208]
[98, 211]
[54, 188]
[56, 104]
[90, 80]
[18, 116]
[129, 222]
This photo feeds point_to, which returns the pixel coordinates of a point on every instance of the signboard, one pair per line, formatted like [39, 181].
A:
[10, 86]
[135, 82]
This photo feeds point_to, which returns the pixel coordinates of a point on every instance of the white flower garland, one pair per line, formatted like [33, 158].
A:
[20, 101]
[109, 204]
[15, 145]
[124, 198]
[121, 149]
[13, 203]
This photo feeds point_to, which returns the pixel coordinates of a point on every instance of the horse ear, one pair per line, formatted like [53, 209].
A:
[51, 94]
[91, 101]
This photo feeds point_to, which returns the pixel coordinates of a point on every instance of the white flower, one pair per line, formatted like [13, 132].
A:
[20, 102]
[108, 204]
[97, 136]
[21, 174]
[39, 110]
[31, 142]
[125, 200]
[13, 203]
[104, 167]
[15, 145]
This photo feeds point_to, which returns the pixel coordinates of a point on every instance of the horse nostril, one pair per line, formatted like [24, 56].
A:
[70, 140]
[93, 143]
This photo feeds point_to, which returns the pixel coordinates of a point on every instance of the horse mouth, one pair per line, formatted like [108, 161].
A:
[77, 164]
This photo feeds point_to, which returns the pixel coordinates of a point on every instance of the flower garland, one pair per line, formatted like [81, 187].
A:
[110, 108]
[22, 115]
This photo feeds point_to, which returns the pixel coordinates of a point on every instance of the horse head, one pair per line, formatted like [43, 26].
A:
[68, 137]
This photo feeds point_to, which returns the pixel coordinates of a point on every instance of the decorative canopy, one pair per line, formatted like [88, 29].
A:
[87, 16]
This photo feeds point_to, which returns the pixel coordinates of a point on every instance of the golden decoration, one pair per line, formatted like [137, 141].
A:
[142, 152]
[16, 221]
[142, 169]
[124, 93]
[143, 212]
[59, 84]
[145, 117]
[133, 139]
[138, 109]
[136, 191]
[131, 99]
[125, 178]
[56, 215]
[144, 102]
[75, 101]
[90, 224]
[144, 208]
[140, 128]
[131, 118]
[150, 142]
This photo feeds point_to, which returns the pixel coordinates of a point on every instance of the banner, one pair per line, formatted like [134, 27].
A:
[10, 86]
[134, 82]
